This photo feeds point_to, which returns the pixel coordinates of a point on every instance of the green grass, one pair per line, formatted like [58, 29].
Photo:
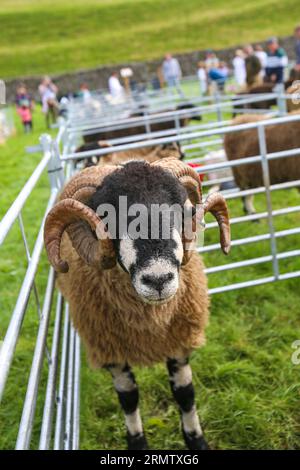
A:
[246, 385]
[49, 36]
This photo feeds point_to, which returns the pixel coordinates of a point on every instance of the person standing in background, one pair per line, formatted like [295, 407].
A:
[276, 61]
[253, 67]
[115, 88]
[297, 47]
[202, 77]
[50, 107]
[218, 77]
[84, 93]
[212, 65]
[24, 106]
[172, 72]
[211, 60]
[239, 68]
[262, 56]
[224, 73]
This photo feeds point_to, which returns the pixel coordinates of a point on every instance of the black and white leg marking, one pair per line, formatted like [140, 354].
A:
[248, 204]
[180, 375]
[127, 390]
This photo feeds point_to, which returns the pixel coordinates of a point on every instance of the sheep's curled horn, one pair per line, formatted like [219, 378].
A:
[214, 203]
[82, 223]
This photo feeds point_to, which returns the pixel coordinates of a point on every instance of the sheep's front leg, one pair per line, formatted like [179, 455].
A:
[180, 376]
[127, 390]
[248, 204]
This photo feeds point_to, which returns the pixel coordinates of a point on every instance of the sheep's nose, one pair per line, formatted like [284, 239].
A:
[157, 282]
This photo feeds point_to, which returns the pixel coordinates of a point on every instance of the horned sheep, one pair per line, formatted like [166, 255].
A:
[136, 301]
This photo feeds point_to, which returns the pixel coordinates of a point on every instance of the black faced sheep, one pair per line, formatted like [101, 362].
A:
[245, 144]
[136, 300]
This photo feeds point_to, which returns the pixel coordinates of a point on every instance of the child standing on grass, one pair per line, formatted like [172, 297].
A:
[24, 105]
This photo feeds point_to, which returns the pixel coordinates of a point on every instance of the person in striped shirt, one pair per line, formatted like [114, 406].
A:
[276, 61]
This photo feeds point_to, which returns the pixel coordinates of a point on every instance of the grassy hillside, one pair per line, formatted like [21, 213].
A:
[48, 36]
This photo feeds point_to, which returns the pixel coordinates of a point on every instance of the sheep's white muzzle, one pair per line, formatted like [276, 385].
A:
[157, 283]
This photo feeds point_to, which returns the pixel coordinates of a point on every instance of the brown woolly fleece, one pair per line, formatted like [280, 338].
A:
[253, 90]
[244, 144]
[117, 327]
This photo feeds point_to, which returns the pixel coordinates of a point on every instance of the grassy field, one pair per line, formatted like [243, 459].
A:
[49, 36]
[246, 385]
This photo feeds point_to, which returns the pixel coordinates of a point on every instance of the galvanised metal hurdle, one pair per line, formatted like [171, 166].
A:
[60, 420]
[59, 427]
[147, 96]
[90, 125]
[104, 113]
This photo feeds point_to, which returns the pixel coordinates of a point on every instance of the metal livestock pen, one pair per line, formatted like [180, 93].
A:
[59, 424]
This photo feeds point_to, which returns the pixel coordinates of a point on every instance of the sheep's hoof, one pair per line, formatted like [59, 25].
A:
[255, 221]
[195, 442]
[137, 442]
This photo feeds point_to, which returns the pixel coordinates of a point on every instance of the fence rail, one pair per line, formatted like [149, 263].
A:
[65, 434]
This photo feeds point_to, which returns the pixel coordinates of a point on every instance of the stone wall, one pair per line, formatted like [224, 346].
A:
[143, 71]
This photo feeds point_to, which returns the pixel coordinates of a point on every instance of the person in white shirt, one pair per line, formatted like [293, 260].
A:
[239, 68]
[115, 88]
[202, 77]
[262, 56]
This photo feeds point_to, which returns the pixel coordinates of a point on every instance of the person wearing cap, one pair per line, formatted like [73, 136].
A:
[276, 61]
